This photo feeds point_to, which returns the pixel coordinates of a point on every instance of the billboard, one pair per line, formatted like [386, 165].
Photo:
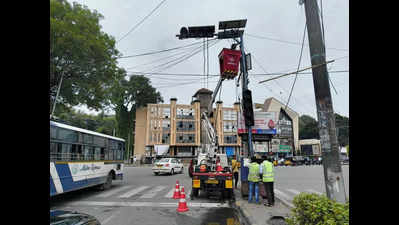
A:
[265, 123]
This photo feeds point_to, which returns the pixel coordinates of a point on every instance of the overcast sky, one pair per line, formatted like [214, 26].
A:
[273, 36]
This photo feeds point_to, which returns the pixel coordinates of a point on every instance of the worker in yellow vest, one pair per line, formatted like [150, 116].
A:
[253, 180]
[235, 166]
[267, 171]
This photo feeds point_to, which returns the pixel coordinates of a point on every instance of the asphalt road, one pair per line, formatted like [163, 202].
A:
[292, 180]
[142, 198]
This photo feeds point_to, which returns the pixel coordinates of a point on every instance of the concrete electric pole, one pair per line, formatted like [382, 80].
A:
[328, 138]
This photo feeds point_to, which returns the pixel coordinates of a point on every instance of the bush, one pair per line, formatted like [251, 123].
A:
[318, 209]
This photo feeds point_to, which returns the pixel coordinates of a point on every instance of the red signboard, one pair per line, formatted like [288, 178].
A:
[229, 63]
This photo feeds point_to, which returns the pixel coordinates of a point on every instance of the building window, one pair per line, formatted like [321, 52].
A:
[165, 113]
[230, 139]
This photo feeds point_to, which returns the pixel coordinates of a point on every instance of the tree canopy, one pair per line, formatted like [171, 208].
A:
[308, 128]
[83, 55]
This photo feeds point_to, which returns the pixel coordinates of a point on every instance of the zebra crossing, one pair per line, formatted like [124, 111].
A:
[166, 192]
[162, 196]
[141, 196]
[140, 192]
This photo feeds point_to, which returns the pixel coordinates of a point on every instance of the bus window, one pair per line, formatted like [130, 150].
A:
[66, 152]
[102, 153]
[88, 152]
[73, 152]
[67, 135]
[53, 132]
[87, 139]
[53, 151]
[79, 154]
[59, 151]
[97, 152]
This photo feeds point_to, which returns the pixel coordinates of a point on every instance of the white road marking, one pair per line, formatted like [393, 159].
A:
[153, 192]
[147, 204]
[293, 191]
[281, 194]
[109, 218]
[133, 192]
[170, 193]
[113, 191]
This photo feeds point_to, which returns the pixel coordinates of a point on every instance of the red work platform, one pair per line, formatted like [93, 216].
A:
[229, 61]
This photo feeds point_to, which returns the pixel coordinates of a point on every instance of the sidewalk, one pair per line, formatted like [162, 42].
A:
[258, 214]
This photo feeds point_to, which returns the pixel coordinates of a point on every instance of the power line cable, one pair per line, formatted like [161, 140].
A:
[174, 58]
[299, 64]
[184, 59]
[258, 63]
[288, 42]
[194, 50]
[160, 51]
[141, 21]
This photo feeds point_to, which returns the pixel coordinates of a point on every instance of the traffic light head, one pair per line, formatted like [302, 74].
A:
[247, 108]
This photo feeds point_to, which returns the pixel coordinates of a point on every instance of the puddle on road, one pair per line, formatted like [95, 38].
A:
[215, 216]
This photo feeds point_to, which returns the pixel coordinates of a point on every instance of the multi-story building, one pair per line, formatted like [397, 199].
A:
[310, 147]
[176, 128]
[286, 141]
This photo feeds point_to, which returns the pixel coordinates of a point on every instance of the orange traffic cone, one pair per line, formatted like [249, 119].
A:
[182, 202]
[219, 167]
[176, 195]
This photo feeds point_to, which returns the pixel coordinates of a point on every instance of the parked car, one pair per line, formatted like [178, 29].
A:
[307, 161]
[287, 162]
[168, 165]
[62, 217]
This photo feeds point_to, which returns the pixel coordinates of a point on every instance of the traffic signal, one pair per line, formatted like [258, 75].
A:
[247, 108]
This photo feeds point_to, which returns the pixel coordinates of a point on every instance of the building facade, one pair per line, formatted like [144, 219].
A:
[310, 147]
[176, 128]
[285, 142]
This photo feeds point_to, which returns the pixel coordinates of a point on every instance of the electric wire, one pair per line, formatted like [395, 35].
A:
[141, 21]
[161, 51]
[184, 59]
[287, 42]
[299, 64]
[188, 53]
[216, 75]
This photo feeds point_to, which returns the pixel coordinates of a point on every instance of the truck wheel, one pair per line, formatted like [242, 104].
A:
[195, 192]
[172, 172]
[156, 174]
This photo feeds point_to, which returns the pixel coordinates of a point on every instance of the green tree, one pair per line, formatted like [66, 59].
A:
[342, 126]
[83, 55]
[127, 96]
[308, 128]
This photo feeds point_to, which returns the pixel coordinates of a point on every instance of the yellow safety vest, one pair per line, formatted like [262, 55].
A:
[253, 175]
[268, 171]
[234, 165]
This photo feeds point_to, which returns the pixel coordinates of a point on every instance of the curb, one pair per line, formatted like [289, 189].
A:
[248, 218]
[285, 202]
[243, 214]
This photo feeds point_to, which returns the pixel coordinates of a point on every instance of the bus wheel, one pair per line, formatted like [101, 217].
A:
[108, 183]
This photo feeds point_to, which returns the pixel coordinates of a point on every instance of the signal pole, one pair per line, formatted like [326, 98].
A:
[334, 181]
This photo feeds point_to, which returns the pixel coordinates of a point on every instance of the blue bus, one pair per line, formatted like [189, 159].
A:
[81, 158]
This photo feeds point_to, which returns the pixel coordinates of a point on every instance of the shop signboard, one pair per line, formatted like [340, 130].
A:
[284, 148]
[316, 150]
[265, 123]
[261, 147]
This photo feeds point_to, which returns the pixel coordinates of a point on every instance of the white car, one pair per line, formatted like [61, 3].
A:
[168, 165]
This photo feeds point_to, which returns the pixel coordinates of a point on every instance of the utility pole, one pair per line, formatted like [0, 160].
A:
[326, 120]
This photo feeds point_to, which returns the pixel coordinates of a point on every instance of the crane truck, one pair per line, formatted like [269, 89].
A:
[212, 173]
